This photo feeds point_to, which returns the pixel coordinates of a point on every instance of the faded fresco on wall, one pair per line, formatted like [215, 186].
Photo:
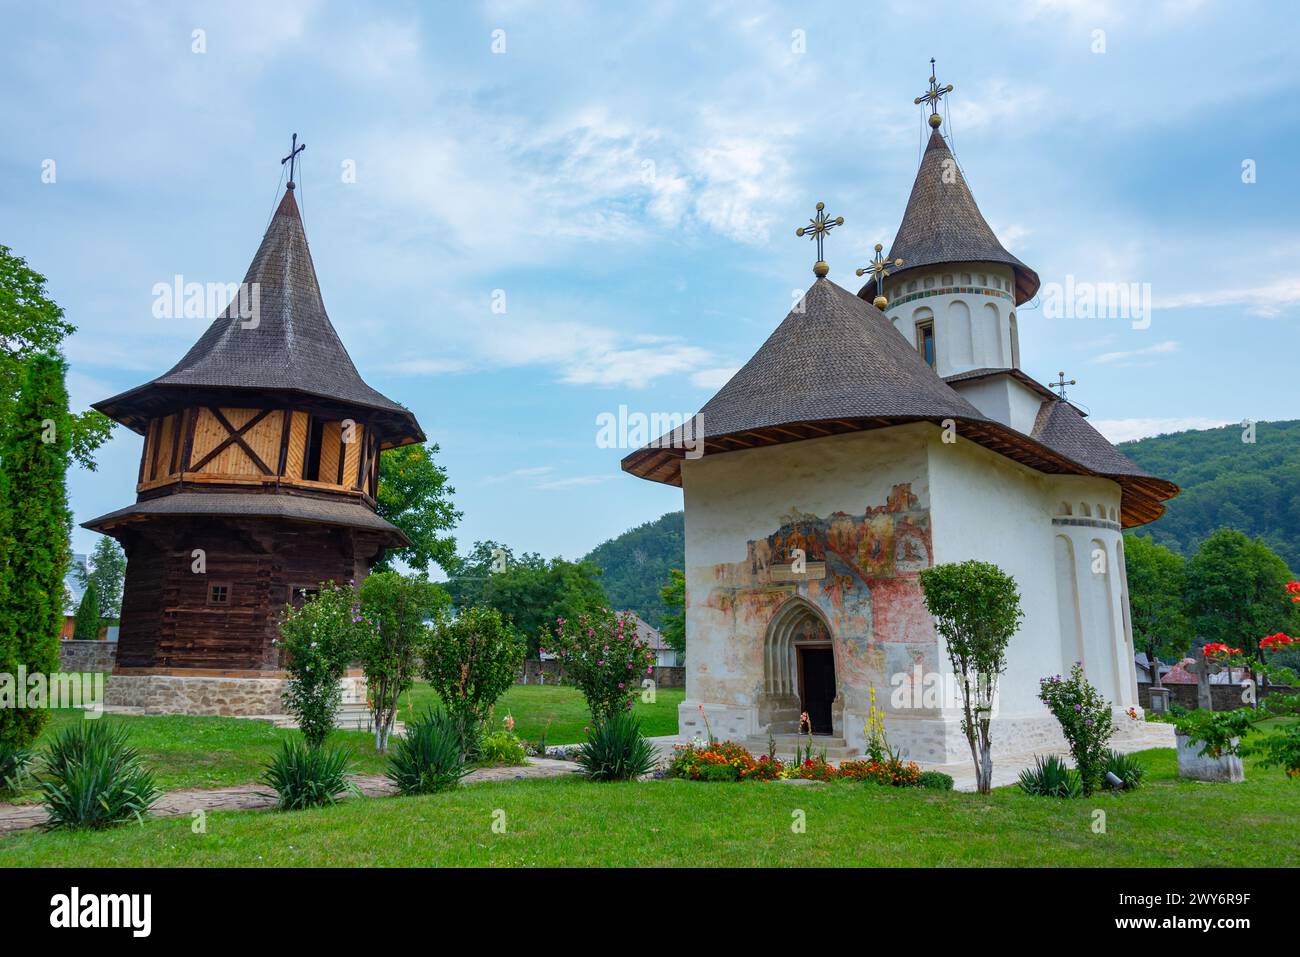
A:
[859, 571]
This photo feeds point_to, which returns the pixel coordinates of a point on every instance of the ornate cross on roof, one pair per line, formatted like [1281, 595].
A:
[817, 228]
[292, 158]
[932, 96]
[1062, 384]
[879, 269]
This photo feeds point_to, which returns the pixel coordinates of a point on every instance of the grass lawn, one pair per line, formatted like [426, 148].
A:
[189, 752]
[660, 823]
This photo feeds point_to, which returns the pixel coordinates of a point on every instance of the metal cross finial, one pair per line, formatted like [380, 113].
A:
[292, 158]
[817, 228]
[879, 269]
[1062, 384]
[933, 95]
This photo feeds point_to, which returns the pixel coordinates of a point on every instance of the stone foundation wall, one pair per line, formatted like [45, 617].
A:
[199, 695]
[87, 655]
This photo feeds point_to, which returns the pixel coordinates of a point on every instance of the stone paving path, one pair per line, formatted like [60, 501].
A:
[254, 797]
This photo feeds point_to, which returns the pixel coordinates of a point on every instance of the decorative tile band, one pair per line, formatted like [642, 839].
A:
[1088, 523]
[951, 290]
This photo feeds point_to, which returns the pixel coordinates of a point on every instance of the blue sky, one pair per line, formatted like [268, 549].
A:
[630, 179]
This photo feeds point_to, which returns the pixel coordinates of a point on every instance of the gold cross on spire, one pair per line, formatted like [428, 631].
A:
[879, 269]
[932, 96]
[817, 228]
[1062, 384]
[292, 158]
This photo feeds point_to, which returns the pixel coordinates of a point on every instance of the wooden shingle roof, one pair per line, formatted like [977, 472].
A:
[942, 224]
[836, 364]
[291, 349]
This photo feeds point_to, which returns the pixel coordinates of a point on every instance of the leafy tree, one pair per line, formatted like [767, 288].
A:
[1228, 481]
[530, 592]
[34, 526]
[1236, 591]
[471, 660]
[468, 582]
[638, 561]
[108, 572]
[414, 496]
[673, 598]
[976, 608]
[86, 622]
[397, 609]
[1156, 581]
[31, 325]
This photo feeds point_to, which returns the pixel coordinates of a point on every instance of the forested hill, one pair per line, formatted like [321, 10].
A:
[636, 564]
[1252, 487]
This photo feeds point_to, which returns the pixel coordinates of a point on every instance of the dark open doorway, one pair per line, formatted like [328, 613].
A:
[817, 686]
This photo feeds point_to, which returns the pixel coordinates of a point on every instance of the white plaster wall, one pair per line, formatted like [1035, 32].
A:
[1004, 400]
[971, 330]
[986, 507]
[735, 497]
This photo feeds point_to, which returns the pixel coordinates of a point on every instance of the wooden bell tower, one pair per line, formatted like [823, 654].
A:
[257, 478]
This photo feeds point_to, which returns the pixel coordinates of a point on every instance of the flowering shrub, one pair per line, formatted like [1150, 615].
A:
[1084, 716]
[318, 640]
[814, 769]
[713, 761]
[605, 658]
[891, 771]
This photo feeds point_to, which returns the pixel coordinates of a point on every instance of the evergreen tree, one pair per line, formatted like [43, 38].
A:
[34, 453]
[108, 571]
[86, 624]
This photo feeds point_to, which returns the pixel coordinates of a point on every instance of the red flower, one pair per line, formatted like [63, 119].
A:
[1294, 589]
[1276, 641]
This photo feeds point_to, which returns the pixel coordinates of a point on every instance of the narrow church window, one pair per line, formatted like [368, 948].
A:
[1015, 343]
[929, 283]
[218, 594]
[925, 342]
[911, 286]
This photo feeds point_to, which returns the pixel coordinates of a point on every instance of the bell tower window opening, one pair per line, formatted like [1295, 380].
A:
[315, 439]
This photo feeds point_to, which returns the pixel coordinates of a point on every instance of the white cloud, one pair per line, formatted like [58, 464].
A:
[1160, 348]
[1268, 300]
[577, 481]
[713, 378]
[1123, 430]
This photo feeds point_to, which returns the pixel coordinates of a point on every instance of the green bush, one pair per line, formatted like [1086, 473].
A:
[501, 747]
[304, 776]
[319, 640]
[935, 780]
[471, 661]
[1084, 716]
[429, 756]
[13, 767]
[719, 772]
[604, 656]
[92, 778]
[1125, 767]
[1051, 777]
[615, 750]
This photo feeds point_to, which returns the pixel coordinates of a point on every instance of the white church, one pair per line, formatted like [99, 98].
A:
[871, 436]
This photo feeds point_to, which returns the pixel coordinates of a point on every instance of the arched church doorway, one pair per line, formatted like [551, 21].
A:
[798, 670]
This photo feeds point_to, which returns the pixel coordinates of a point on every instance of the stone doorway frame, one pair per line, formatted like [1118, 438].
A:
[779, 704]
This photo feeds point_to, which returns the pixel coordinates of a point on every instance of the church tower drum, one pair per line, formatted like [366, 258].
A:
[257, 482]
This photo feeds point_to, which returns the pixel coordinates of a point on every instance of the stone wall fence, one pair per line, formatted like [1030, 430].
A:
[1222, 697]
[87, 655]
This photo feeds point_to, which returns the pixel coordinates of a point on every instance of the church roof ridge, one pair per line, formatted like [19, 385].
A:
[943, 224]
[286, 344]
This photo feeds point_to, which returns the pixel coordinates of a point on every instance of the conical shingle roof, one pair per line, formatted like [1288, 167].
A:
[291, 347]
[942, 224]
